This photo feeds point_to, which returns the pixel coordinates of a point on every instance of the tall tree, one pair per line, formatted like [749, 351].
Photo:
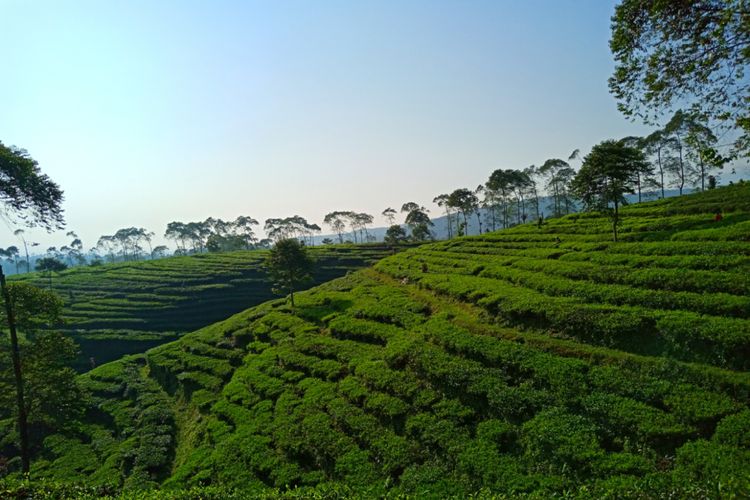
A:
[50, 265]
[52, 397]
[607, 174]
[532, 174]
[442, 201]
[289, 266]
[500, 184]
[466, 202]
[558, 174]
[12, 252]
[20, 233]
[244, 226]
[659, 143]
[31, 196]
[337, 222]
[390, 215]
[678, 129]
[643, 178]
[417, 219]
[669, 53]
[395, 235]
[26, 193]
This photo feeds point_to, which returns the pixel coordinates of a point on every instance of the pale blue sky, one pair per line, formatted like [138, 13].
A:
[151, 111]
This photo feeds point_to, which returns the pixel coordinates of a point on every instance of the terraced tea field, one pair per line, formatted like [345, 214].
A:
[126, 308]
[543, 361]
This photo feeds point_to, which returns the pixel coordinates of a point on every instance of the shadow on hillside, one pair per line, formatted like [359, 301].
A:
[316, 313]
[689, 225]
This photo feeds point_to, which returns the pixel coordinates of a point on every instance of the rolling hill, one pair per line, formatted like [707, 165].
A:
[124, 308]
[541, 361]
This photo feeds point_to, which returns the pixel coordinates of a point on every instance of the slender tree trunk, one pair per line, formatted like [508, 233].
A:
[28, 263]
[557, 199]
[16, 355]
[479, 221]
[682, 168]
[661, 171]
[615, 220]
[291, 296]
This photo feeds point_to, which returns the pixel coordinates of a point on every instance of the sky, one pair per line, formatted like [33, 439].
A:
[146, 112]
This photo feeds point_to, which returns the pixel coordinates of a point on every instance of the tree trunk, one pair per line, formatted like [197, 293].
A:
[682, 168]
[291, 296]
[638, 183]
[28, 263]
[614, 221]
[661, 171]
[23, 429]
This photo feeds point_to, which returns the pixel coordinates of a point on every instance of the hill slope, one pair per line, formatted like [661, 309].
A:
[125, 308]
[513, 361]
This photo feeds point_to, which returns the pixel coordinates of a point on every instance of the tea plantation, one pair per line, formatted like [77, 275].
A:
[125, 308]
[540, 361]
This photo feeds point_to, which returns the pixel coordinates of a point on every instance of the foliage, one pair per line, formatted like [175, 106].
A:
[53, 398]
[508, 364]
[607, 174]
[289, 266]
[26, 192]
[50, 264]
[395, 235]
[667, 53]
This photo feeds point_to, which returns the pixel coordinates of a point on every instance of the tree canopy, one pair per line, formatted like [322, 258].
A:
[671, 52]
[608, 172]
[26, 193]
[289, 266]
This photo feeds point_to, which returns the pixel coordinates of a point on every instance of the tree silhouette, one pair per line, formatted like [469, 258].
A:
[289, 266]
[607, 174]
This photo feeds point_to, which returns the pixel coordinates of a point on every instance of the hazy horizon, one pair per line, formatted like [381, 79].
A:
[146, 114]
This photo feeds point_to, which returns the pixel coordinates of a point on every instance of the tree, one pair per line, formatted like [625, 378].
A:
[26, 193]
[395, 235]
[159, 251]
[442, 201]
[289, 266]
[13, 253]
[702, 150]
[20, 233]
[31, 196]
[52, 397]
[178, 232]
[658, 143]
[359, 222]
[244, 225]
[418, 221]
[607, 174]
[532, 173]
[466, 202]
[676, 52]
[642, 177]
[390, 215]
[337, 222]
[50, 265]
[559, 175]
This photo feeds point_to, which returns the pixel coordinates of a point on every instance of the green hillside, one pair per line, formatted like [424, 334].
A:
[534, 360]
[125, 308]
